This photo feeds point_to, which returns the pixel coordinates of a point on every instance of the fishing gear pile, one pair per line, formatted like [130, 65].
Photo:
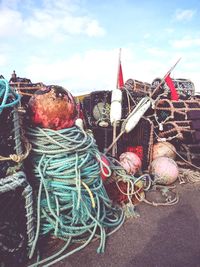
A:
[16, 210]
[72, 203]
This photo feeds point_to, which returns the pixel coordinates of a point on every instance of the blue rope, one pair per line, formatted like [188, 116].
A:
[72, 201]
[8, 96]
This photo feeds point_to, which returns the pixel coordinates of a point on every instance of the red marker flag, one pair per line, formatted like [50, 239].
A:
[120, 82]
[120, 79]
[169, 82]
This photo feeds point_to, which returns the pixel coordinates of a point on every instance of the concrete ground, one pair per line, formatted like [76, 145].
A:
[160, 237]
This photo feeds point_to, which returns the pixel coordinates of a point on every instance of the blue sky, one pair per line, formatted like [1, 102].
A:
[75, 43]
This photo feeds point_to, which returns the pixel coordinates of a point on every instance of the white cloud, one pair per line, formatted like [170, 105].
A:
[52, 19]
[97, 69]
[93, 29]
[184, 14]
[78, 73]
[10, 23]
[155, 51]
[3, 60]
[43, 24]
[185, 42]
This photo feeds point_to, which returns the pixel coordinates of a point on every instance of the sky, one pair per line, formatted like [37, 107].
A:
[75, 43]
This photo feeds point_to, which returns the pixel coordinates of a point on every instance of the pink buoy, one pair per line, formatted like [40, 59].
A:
[165, 170]
[164, 149]
[130, 162]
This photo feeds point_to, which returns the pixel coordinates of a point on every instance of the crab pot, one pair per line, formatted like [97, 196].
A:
[191, 155]
[7, 139]
[167, 110]
[139, 139]
[96, 106]
[16, 205]
[13, 236]
[178, 132]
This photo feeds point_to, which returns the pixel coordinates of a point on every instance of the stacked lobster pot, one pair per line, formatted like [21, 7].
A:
[96, 109]
[179, 123]
[138, 86]
[24, 87]
[16, 209]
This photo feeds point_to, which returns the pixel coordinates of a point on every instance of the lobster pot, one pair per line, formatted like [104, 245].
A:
[26, 91]
[96, 109]
[130, 99]
[178, 132]
[16, 220]
[96, 106]
[103, 137]
[184, 88]
[8, 143]
[166, 110]
[138, 86]
[191, 154]
[194, 116]
[139, 141]
[24, 87]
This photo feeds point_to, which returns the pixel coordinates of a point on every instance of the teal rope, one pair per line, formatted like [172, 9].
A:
[8, 96]
[66, 166]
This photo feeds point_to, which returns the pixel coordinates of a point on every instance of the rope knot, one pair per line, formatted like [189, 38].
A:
[16, 158]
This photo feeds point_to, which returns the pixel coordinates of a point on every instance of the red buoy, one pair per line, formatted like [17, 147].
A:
[52, 107]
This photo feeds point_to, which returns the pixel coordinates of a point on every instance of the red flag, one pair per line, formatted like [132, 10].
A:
[169, 82]
[120, 79]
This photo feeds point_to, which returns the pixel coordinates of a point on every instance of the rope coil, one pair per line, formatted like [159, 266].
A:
[72, 202]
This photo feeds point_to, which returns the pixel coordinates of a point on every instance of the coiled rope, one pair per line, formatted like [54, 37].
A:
[72, 202]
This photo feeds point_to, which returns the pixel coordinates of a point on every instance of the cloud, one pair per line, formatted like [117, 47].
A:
[43, 24]
[52, 19]
[79, 72]
[95, 69]
[185, 42]
[3, 60]
[184, 14]
[11, 23]
[155, 51]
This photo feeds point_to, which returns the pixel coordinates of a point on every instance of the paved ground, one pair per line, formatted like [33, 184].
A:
[160, 237]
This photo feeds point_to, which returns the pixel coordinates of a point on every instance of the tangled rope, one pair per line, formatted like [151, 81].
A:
[138, 188]
[189, 175]
[9, 97]
[72, 202]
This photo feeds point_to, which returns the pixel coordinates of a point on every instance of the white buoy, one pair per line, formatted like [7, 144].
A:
[116, 106]
[137, 113]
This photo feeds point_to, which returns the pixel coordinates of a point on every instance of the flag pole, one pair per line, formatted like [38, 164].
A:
[169, 71]
[114, 148]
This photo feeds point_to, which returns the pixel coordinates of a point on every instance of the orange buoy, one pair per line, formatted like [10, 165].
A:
[52, 107]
